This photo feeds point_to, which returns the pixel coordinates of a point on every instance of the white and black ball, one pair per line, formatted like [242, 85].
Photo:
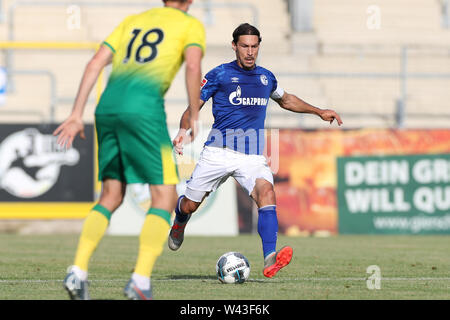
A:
[232, 267]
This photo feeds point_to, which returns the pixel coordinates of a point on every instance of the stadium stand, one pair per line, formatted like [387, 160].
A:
[401, 22]
[349, 40]
[341, 42]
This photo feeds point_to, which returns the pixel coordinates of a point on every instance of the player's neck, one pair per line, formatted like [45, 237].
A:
[183, 6]
[240, 65]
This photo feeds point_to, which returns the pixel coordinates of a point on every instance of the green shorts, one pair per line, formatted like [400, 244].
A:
[134, 149]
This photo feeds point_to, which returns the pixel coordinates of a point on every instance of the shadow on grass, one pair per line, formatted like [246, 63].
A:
[189, 277]
[204, 278]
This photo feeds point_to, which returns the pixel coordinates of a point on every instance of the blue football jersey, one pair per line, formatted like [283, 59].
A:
[240, 99]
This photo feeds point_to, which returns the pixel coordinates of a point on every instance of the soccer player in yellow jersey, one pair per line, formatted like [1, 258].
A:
[146, 51]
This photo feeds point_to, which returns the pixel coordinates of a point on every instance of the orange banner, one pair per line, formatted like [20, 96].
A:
[306, 181]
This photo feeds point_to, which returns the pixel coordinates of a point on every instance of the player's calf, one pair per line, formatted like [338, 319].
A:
[176, 235]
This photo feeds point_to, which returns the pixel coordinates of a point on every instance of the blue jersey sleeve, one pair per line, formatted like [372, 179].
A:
[211, 83]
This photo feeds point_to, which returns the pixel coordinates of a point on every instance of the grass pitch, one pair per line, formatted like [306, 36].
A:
[412, 267]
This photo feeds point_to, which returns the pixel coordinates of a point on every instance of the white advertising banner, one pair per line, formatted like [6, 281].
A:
[216, 216]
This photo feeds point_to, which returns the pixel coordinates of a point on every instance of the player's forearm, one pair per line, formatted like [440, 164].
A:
[193, 79]
[93, 69]
[295, 104]
[88, 81]
[184, 121]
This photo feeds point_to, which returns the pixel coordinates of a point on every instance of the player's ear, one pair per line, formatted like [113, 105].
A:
[233, 45]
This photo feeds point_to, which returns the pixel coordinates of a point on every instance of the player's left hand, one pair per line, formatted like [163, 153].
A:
[68, 130]
[330, 115]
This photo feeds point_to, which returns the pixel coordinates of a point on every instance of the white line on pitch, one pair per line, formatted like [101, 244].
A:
[250, 280]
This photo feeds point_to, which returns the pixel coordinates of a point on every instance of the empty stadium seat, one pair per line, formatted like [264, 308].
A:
[342, 40]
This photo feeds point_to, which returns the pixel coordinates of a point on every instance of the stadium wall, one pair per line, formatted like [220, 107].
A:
[343, 63]
[327, 182]
[344, 181]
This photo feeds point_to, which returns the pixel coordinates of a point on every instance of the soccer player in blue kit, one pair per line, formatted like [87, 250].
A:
[240, 92]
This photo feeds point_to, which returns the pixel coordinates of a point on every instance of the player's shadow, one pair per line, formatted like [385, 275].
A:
[205, 278]
[190, 277]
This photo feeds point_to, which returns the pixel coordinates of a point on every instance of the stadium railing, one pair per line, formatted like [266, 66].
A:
[2, 14]
[53, 95]
[403, 77]
[397, 117]
[446, 14]
[42, 209]
[207, 6]
[24, 45]
[399, 106]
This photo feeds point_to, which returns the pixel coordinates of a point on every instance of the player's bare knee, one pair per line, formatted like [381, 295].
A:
[265, 195]
[163, 197]
[112, 199]
[269, 196]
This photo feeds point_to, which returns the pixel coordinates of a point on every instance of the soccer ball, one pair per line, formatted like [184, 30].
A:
[232, 267]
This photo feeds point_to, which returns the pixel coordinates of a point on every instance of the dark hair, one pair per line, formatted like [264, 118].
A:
[245, 29]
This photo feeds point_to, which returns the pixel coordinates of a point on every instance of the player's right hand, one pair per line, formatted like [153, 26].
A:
[330, 116]
[194, 128]
[181, 139]
[193, 124]
[68, 130]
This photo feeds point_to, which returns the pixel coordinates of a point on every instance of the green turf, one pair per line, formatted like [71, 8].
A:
[412, 267]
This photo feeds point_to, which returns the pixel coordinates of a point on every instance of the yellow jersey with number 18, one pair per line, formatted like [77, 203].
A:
[148, 52]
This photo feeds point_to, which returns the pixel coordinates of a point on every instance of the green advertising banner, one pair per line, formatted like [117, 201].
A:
[408, 194]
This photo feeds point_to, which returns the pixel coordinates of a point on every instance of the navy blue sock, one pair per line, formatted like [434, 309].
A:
[268, 228]
[181, 217]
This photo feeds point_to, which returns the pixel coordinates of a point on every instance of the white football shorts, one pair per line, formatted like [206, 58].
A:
[216, 165]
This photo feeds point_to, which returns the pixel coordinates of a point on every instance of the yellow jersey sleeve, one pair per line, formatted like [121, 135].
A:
[114, 39]
[196, 35]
